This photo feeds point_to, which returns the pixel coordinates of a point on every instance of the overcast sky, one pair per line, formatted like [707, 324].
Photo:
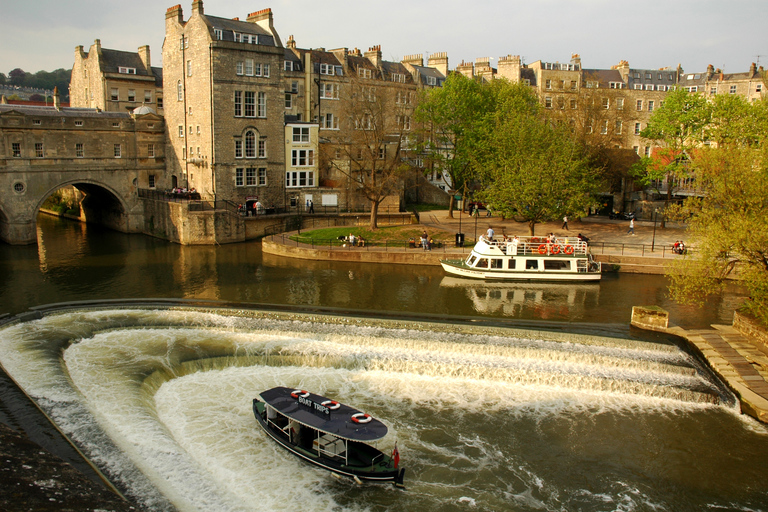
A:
[730, 34]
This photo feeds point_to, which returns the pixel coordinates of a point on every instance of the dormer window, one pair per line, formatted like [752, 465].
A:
[218, 33]
[364, 73]
[126, 71]
[398, 77]
[288, 66]
[326, 69]
[431, 80]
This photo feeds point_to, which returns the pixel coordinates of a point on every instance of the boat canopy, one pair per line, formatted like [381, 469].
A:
[324, 414]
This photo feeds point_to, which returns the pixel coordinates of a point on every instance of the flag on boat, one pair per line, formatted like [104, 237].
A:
[396, 456]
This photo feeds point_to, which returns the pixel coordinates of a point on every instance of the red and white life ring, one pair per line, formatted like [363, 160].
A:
[543, 249]
[299, 393]
[555, 249]
[361, 417]
[568, 249]
[331, 404]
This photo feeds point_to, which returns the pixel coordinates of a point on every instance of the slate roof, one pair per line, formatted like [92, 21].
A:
[229, 27]
[112, 60]
[39, 111]
[603, 76]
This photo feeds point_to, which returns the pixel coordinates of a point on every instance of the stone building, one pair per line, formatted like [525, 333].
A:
[750, 84]
[114, 80]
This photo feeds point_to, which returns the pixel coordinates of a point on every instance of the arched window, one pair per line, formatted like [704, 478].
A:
[250, 144]
[180, 91]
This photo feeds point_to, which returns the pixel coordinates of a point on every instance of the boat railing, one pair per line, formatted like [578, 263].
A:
[527, 245]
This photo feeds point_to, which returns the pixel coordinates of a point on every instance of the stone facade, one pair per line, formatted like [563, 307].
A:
[115, 81]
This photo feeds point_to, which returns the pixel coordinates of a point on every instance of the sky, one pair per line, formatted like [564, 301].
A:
[729, 34]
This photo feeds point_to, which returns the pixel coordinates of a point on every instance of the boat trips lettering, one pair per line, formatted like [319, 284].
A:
[314, 405]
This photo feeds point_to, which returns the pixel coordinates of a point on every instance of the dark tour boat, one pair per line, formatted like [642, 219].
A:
[328, 434]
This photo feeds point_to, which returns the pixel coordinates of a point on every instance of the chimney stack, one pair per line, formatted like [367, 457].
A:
[144, 56]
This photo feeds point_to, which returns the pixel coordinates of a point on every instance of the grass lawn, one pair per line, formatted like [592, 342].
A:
[389, 234]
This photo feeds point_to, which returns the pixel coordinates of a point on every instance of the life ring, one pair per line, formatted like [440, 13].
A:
[361, 417]
[299, 393]
[568, 249]
[543, 249]
[331, 404]
[555, 249]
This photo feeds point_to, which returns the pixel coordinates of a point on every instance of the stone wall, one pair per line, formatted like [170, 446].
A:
[750, 328]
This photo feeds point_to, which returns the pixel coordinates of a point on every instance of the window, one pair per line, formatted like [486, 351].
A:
[329, 91]
[184, 152]
[648, 76]
[732, 90]
[650, 105]
[79, 152]
[606, 103]
[218, 34]
[364, 122]
[238, 103]
[758, 87]
[295, 87]
[616, 85]
[147, 96]
[287, 65]
[573, 84]
[431, 80]
[181, 130]
[239, 182]
[238, 148]
[661, 87]
[39, 153]
[364, 72]
[299, 179]
[250, 144]
[151, 150]
[131, 94]
[404, 123]
[548, 84]
[197, 129]
[574, 104]
[190, 130]
[288, 100]
[78, 123]
[16, 149]
[114, 95]
[179, 91]
[239, 68]
[619, 103]
[638, 87]
[250, 104]
[159, 102]
[618, 127]
[249, 67]
[265, 70]
[151, 180]
[262, 112]
[301, 134]
[604, 128]
[330, 122]
[636, 149]
[398, 77]
[637, 129]
[189, 68]
[126, 71]
[118, 151]
[639, 104]
[548, 102]
[262, 176]
[262, 149]
[326, 69]
[250, 177]
[647, 150]
[648, 87]
[383, 153]
[302, 158]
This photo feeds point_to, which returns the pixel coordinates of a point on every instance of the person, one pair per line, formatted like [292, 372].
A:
[424, 240]
[631, 226]
[565, 223]
[430, 243]
[259, 207]
[583, 238]
[352, 240]
[311, 206]
[489, 234]
[360, 241]
[488, 211]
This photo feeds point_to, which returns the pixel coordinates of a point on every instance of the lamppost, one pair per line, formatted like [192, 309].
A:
[655, 216]
[475, 214]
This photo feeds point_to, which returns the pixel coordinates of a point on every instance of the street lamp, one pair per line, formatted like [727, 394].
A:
[655, 216]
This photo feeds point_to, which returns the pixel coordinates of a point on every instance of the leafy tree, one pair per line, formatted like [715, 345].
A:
[678, 127]
[17, 76]
[448, 118]
[530, 167]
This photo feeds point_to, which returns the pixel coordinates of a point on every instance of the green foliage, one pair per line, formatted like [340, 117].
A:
[46, 80]
[530, 168]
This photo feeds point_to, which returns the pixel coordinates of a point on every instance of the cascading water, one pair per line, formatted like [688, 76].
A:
[485, 419]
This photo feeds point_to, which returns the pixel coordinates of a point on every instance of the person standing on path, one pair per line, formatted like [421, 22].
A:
[631, 227]
[565, 223]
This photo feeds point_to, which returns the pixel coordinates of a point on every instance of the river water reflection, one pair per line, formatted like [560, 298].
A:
[485, 419]
[76, 262]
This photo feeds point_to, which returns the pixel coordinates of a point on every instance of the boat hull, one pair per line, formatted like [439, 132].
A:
[459, 268]
[383, 471]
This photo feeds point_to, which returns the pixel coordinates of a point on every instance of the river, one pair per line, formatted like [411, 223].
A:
[522, 397]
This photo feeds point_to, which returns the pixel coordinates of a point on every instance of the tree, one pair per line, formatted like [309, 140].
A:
[530, 167]
[727, 224]
[17, 76]
[448, 119]
[370, 150]
[678, 126]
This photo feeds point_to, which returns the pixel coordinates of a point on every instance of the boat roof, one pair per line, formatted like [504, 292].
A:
[336, 422]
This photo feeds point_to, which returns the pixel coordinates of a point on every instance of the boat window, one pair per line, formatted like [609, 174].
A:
[482, 263]
[511, 264]
[531, 264]
[471, 260]
[497, 263]
[557, 265]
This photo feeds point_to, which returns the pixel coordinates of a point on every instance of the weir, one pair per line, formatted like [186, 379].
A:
[161, 397]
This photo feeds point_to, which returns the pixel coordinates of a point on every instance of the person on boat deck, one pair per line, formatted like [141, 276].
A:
[489, 234]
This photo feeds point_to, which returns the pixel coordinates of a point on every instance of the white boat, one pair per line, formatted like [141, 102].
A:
[528, 258]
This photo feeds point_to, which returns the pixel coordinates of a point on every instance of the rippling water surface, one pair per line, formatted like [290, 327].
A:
[484, 418]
